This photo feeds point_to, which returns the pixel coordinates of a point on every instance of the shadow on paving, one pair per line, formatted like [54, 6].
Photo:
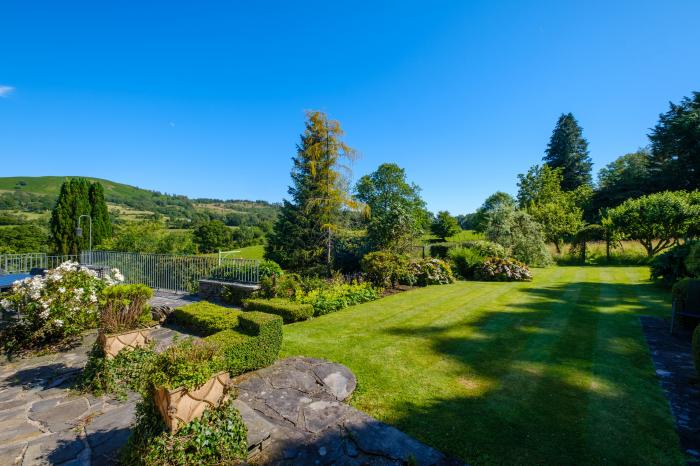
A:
[562, 378]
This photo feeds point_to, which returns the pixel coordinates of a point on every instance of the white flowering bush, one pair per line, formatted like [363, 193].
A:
[52, 308]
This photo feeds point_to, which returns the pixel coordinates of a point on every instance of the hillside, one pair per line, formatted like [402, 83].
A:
[23, 194]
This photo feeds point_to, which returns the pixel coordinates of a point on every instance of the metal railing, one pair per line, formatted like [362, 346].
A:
[24, 263]
[174, 272]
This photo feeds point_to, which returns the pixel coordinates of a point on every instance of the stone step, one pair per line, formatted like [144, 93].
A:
[259, 429]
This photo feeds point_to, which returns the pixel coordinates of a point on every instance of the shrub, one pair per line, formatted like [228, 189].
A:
[245, 340]
[187, 364]
[336, 295]
[129, 369]
[288, 310]
[218, 437]
[387, 269]
[432, 272]
[670, 266]
[502, 270]
[269, 268]
[696, 348]
[285, 286]
[53, 308]
[465, 261]
[520, 234]
[122, 307]
[440, 250]
[692, 262]
[486, 248]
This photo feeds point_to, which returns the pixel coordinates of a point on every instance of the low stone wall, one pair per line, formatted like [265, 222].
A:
[211, 290]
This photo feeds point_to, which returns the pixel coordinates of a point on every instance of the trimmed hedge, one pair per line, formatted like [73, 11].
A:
[288, 310]
[247, 340]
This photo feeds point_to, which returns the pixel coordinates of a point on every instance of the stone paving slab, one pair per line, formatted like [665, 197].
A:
[295, 411]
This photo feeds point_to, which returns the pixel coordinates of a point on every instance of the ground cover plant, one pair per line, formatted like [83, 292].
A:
[552, 371]
[124, 307]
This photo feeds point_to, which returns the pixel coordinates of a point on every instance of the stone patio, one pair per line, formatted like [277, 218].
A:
[294, 410]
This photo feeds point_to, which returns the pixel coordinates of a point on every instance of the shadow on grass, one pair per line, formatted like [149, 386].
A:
[562, 378]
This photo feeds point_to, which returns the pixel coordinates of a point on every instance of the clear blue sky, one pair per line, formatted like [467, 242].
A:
[207, 98]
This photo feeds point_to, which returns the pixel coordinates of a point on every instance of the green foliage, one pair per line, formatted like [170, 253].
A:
[245, 340]
[387, 269]
[212, 236]
[465, 261]
[397, 213]
[187, 364]
[692, 262]
[696, 348]
[52, 309]
[440, 250]
[101, 223]
[520, 234]
[568, 150]
[681, 287]
[122, 307]
[431, 271]
[268, 268]
[486, 248]
[302, 236]
[675, 140]
[150, 237]
[71, 204]
[128, 370]
[502, 270]
[669, 266]
[584, 236]
[335, 295]
[444, 225]
[219, 436]
[555, 210]
[624, 178]
[493, 202]
[656, 220]
[24, 238]
[288, 310]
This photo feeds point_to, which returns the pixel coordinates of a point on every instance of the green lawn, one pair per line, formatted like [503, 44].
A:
[553, 371]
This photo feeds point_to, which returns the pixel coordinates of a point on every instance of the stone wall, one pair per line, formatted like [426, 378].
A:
[211, 290]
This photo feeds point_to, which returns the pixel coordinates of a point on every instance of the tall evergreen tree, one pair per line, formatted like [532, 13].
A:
[568, 150]
[675, 147]
[101, 224]
[72, 203]
[302, 236]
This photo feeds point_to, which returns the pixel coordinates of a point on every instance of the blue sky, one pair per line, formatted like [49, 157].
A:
[207, 99]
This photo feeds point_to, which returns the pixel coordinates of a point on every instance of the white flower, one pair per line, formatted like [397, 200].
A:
[44, 314]
[58, 322]
[61, 290]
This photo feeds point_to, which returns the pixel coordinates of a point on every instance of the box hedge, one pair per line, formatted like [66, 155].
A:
[247, 340]
[289, 311]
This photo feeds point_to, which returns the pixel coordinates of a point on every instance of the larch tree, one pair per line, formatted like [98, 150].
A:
[302, 238]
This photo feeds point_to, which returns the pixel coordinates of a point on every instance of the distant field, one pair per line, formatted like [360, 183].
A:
[464, 235]
[250, 252]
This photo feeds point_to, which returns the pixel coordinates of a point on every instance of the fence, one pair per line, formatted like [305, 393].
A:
[174, 272]
[24, 263]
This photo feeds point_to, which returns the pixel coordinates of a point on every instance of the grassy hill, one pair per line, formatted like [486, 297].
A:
[38, 194]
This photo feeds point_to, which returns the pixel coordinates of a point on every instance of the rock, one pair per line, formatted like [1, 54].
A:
[288, 377]
[287, 402]
[259, 429]
[5, 405]
[320, 415]
[12, 456]
[337, 379]
[59, 416]
[54, 449]
[12, 414]
[108, 433]
[376, 438]
[16, 430]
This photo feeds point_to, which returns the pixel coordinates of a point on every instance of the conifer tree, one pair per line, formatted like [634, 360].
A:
[101, 224]
[568, 150]
[72, 202]
[302, 237]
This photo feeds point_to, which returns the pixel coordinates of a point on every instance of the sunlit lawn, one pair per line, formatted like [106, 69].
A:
[554, 371]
